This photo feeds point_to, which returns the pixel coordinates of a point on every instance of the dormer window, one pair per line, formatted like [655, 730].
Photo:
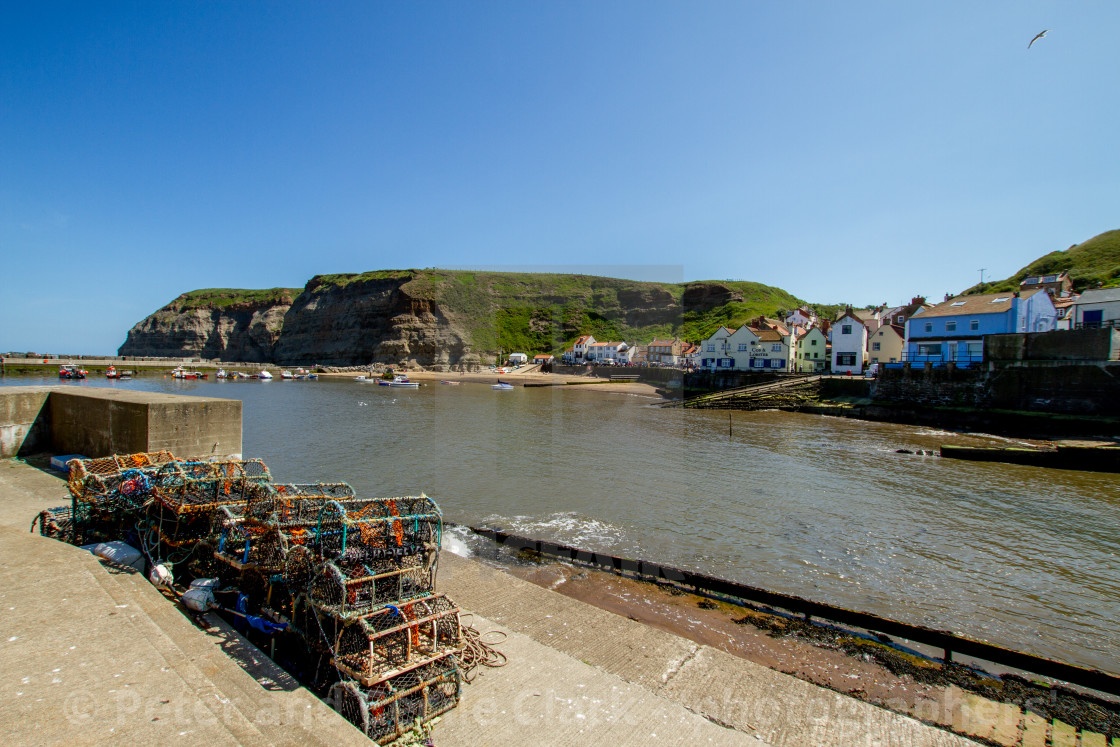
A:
[958, 303]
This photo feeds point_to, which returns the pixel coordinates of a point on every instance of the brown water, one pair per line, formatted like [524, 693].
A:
[815, 506]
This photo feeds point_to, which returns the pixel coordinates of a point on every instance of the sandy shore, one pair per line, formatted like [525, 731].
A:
[530, 376]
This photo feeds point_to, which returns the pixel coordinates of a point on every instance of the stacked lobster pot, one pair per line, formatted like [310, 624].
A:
[348, 581]
[356, 579]
[110, 495]
[369, 596]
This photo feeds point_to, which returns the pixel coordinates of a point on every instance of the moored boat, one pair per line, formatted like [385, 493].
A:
[501, 386]
[286, 375]
[403, 382]
[111, 373]
[68, 371]
[450, 383]
[221, 374]
[265, 375]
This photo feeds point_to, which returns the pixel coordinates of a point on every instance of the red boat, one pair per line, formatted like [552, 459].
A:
[68, 371]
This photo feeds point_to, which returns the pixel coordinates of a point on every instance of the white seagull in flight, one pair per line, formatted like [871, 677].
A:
[1040, 35]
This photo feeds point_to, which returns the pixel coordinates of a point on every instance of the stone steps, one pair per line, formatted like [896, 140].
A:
[100, 652]
[273, 703]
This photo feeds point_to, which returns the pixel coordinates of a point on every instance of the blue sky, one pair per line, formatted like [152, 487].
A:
[857, 152]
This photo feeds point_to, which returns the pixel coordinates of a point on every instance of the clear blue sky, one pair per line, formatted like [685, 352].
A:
[844, 151]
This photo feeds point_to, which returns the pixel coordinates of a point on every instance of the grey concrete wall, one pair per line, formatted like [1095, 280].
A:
[1072, 388]
[1059, 345]
[97, 421]
[24, 420]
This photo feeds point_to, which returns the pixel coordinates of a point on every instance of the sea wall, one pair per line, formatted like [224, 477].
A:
[98, 422]
[1054, 387]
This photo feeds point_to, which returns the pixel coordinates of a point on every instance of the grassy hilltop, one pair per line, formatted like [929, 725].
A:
[1093, 263]
[545, 311]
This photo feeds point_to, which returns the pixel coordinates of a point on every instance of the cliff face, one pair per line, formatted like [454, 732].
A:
[237, 332]
[435, 318]
[369, 321]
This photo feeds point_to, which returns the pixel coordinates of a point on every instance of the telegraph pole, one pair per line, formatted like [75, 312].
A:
[982, 275]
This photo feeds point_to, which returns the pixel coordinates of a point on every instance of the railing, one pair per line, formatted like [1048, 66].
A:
[949, 643]
[1104, 324]
[937, 361]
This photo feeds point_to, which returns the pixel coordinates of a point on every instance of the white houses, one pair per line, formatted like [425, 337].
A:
[715, 352]
[611, 352]
[1099, 307]
[771, 352]
[849, 344]
[579, 348]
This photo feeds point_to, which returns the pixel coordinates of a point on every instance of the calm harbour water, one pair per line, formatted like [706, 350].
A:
[816, 506]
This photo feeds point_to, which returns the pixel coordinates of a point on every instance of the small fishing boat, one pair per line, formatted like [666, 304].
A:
[362, 379]
[71, 372]
[501, 386]
[241, 375]
[402, 381]
[221, 374]
[450, 383]
[286, 375]
[265, 375]
[111, 373]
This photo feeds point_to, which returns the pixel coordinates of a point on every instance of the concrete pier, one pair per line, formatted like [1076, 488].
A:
[99, 421]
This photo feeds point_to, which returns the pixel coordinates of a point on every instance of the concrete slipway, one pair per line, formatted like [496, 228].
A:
[90, 656]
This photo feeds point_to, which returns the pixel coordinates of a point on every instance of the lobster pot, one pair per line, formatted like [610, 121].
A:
[351, 590]
[365, 530]
[318, 628]
[373, 647]
[200, 487]
[57, 523]
[291, 503]
[264, 546]
[92, 478]
[387, 710]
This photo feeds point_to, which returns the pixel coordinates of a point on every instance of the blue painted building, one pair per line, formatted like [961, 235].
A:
[953, 332]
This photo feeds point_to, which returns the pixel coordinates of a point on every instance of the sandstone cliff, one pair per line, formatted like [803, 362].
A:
[439, 318]
[225, 324]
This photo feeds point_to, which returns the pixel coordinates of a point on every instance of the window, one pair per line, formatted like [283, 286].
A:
[776, 347]
[950, 326]
[846, 329]
[958, 303]
[1000, 300]
[845, 359]
[742, 346]
[974, 324]
[900, 319]
[814, 342]
[929, 326]
[930, 349]
[875, 346]
[711, 348]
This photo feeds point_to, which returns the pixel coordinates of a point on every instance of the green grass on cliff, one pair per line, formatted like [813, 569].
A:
[544, 312]
[1093, 263]
[220, 298]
